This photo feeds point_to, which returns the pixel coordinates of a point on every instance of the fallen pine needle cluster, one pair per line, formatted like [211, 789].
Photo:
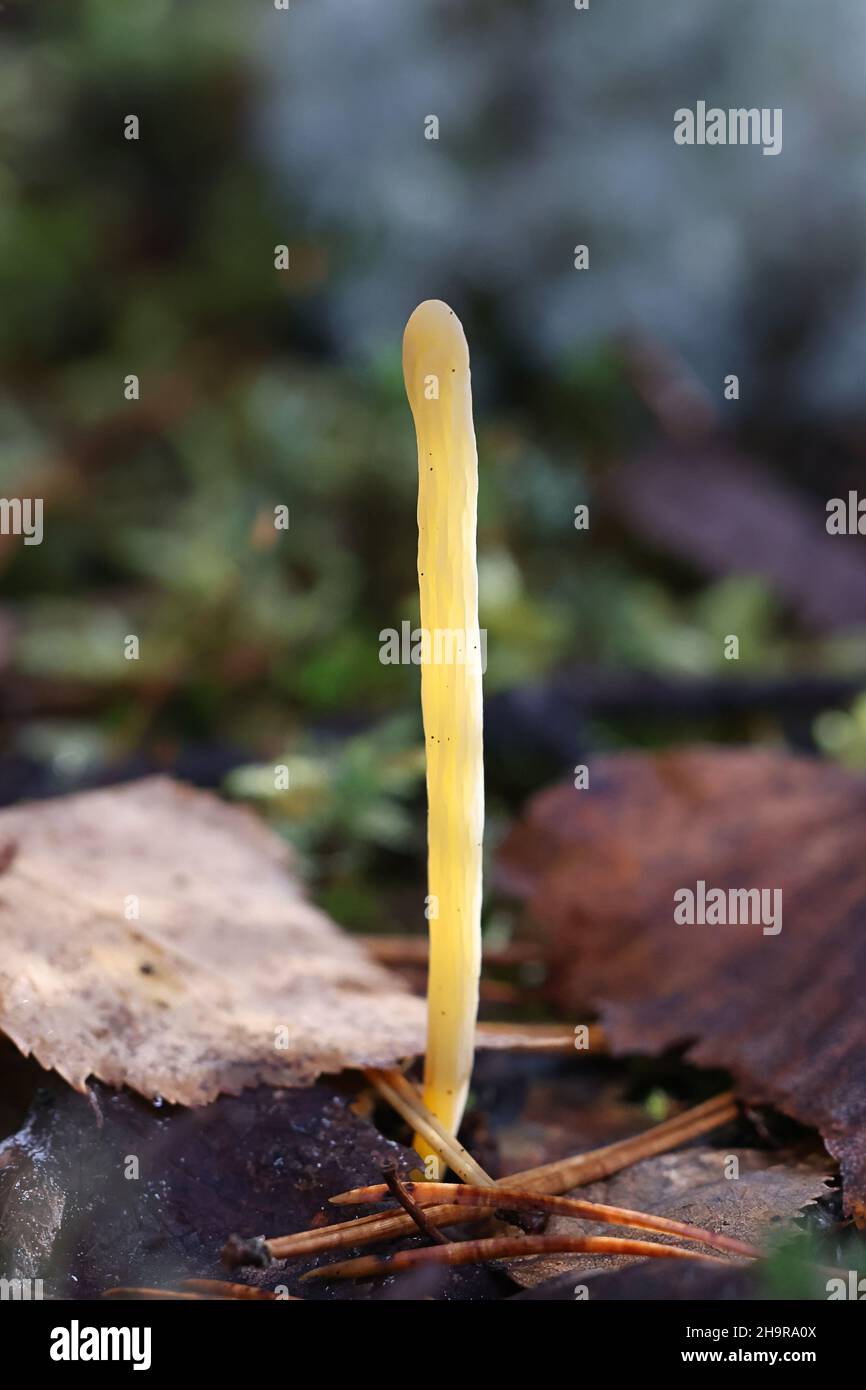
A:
[508, 1199]
[479, 1197]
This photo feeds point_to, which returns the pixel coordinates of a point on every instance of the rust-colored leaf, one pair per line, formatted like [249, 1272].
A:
[784, 1013]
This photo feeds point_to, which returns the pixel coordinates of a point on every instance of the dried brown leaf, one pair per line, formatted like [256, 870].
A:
[784, 1012]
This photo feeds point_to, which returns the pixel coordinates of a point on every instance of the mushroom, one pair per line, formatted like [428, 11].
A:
[436, 372]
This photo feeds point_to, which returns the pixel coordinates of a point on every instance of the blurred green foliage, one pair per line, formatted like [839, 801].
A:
[155, 257]
[841, 734]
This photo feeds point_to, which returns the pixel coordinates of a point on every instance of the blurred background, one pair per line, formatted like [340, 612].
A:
[259, 387]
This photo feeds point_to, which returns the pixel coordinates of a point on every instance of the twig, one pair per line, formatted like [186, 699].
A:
[399, 1092]
[404, 1195]
[197, 1290]
[503, 993]
[500, 1248]
[222, 1288]
[679, 401]
[148, 1293]
[539, 1037]
[428, 1194]
[603, 1162]
[415, 950]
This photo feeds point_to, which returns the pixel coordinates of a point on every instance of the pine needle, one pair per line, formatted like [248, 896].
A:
[501, 1248]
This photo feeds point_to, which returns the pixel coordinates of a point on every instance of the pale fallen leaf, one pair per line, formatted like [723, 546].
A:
[226, 978]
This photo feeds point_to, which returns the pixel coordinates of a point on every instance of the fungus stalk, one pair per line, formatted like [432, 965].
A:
[436, 372]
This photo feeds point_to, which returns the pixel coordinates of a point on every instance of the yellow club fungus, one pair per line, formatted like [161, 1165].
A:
[436, 371]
